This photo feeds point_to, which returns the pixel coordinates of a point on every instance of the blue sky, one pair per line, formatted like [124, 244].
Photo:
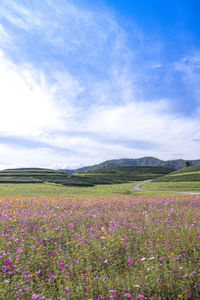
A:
[83, 82]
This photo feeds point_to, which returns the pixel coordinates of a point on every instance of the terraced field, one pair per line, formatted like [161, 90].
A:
[186, 174]
[104, 176]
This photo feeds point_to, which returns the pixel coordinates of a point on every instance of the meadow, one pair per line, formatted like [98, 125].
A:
[184, 186]
[52, 189]
[100, 247]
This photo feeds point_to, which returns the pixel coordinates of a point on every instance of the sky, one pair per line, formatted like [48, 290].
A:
[82, 82]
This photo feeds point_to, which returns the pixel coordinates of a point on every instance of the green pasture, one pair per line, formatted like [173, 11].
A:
[51, 189]
[189, 186]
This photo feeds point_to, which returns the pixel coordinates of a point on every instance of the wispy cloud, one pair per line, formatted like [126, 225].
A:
[189, 67]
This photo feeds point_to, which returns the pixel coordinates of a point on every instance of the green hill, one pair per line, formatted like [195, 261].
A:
[89, 178]
[124, 174]
[37, 175]
[186, 174]
[144, 161]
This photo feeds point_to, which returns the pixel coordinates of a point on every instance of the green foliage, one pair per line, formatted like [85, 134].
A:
[186, 164]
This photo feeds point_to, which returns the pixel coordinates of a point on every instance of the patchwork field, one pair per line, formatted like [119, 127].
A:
[119, 247]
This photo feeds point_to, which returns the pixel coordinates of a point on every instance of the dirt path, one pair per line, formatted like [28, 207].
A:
[137, 187]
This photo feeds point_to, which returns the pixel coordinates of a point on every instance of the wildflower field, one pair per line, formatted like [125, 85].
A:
[126, 247]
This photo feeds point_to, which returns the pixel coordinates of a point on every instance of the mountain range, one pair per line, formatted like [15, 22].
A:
[143, 161]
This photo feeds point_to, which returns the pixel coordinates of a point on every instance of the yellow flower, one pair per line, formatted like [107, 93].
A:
[180, 296]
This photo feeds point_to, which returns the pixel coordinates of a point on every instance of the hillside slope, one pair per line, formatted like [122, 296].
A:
[90, 178]
[37, 175]
[186, 174]
[124, 174]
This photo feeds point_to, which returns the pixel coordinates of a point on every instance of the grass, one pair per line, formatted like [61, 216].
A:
[51, 189]
[189, 186]
[185, 173]
[119, 247]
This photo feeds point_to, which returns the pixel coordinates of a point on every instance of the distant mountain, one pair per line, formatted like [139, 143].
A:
[144, 161]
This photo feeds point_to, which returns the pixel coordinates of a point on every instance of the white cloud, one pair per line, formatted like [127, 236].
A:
[29, 105]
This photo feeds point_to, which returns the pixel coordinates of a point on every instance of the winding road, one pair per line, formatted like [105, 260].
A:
[137, 187]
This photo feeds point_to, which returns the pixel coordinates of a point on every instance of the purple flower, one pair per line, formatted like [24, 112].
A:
[7, 262]
[35, 297]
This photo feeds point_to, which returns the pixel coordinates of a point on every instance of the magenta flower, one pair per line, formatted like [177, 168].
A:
[7, 262]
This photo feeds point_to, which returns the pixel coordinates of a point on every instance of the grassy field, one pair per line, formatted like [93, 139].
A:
[51, 189]
[119, 247]
[189, 186]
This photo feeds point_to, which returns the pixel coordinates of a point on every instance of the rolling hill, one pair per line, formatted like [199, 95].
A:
[191, 173]
[124, 174]
[37, 175]
[89, 178]
[144, 161]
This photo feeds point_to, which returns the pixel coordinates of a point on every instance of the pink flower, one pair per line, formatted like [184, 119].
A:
[140, 296]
